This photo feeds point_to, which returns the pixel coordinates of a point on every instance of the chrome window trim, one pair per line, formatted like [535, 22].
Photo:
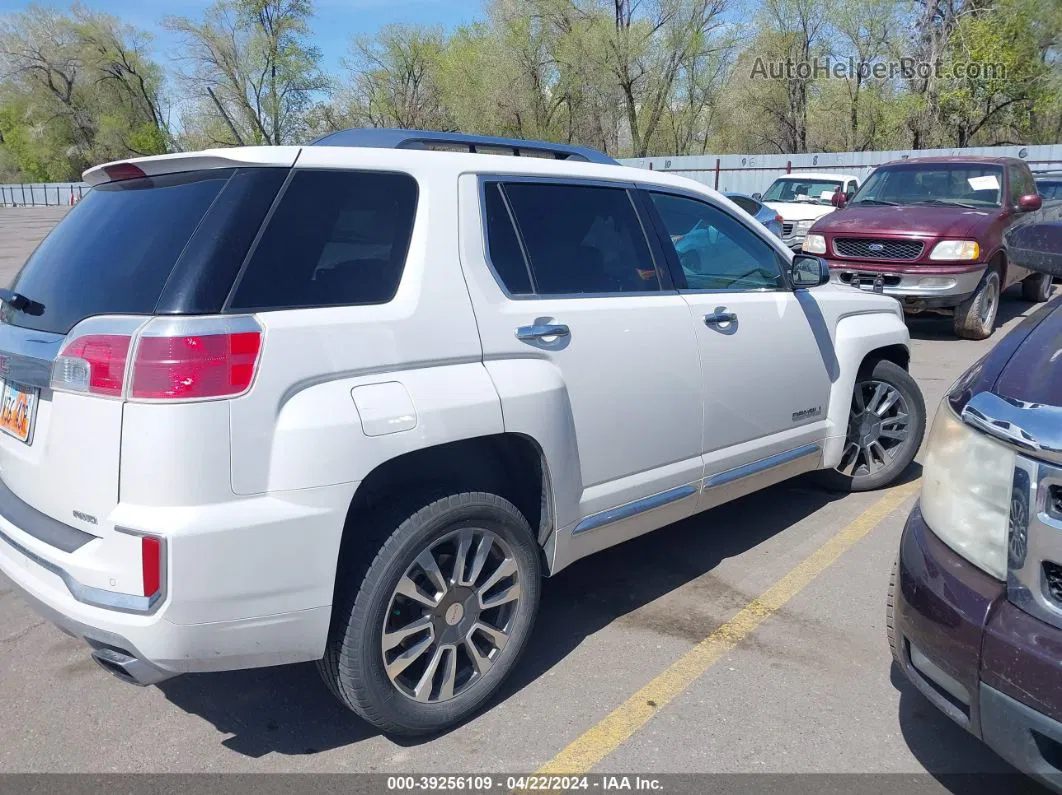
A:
[500, 178]
[606, 517]
[97, 597]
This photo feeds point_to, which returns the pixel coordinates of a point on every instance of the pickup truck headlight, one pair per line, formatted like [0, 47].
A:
[802, 227]
[956, 250]
[814, 244]
[966, 488]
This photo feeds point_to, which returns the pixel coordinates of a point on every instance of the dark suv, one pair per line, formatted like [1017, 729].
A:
[975, 601]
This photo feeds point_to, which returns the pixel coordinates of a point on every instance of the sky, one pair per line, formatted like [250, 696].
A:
[335, 22]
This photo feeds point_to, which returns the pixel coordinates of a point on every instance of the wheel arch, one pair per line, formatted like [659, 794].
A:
[511, 465]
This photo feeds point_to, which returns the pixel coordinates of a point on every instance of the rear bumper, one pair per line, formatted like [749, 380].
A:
[917, 288]
[976, 657]
[249, 584]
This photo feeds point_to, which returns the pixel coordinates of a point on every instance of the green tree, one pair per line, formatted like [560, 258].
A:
[250, 69]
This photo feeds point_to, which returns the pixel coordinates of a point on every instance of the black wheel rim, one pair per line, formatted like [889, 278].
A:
[878, 427]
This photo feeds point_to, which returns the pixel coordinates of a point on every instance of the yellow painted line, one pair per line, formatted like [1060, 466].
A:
[617, 727]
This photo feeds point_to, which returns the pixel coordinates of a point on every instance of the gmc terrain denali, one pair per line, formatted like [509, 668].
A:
[931, 230]
[349, 402]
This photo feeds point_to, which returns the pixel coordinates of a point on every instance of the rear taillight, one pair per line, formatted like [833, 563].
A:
[151, 564]
[93, 363]
[194, 366]
[173, 358]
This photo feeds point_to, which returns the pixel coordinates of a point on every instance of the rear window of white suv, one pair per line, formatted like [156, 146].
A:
[336, 238]
[170, 244]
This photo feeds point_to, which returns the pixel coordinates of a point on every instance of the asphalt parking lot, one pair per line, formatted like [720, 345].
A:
[804, 685]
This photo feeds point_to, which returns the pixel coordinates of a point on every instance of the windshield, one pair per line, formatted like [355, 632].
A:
[1049, 188]
[942, 184]
[810, 191]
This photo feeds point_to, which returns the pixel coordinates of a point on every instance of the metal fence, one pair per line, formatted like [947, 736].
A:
[54, 194]
[754, 173]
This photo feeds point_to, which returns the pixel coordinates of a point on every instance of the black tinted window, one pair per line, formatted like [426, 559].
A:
[715, 250]
[114, 251]
[502, 244]
[336, 238]
[582, 239]
[751, 206]
[1049, 189]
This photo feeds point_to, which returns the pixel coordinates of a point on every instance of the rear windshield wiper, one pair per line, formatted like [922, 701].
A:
[21, 303]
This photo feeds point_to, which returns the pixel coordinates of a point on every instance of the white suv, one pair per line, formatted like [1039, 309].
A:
[350, 402]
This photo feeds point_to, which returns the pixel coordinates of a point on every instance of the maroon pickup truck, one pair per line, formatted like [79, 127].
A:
[929, 231]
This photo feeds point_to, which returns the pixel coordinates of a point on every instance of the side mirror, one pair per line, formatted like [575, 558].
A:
[1030, 202]
[807, 270]
[757, 196]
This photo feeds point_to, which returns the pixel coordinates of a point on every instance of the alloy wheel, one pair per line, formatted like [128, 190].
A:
[451, 615]
[877, 428]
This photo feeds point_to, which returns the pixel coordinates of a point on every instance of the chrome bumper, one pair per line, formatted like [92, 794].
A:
[910, 284]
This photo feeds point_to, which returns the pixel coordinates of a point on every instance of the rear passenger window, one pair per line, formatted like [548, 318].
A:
[581, 239]
[336, 238]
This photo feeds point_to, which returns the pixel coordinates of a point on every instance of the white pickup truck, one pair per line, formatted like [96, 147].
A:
[803, 198]
[350, 402]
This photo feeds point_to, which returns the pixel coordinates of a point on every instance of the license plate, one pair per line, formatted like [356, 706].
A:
[18, 409]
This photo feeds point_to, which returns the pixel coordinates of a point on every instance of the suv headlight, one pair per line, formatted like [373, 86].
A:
[814, 244]
[956, 250]
[801, 227]
[966, 486]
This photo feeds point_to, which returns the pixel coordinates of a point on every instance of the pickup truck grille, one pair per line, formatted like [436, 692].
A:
[787, 228]
[1053, 580]
[871, 248]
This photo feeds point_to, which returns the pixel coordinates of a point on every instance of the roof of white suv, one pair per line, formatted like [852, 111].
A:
[400, 150]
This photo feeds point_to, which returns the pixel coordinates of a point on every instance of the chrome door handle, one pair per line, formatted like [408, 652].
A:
[544, 330]
[718, 318]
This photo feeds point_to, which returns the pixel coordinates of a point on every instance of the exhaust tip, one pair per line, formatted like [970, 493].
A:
[127, 667]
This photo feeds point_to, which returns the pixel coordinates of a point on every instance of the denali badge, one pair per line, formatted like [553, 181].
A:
[804, 414]
[84, 517]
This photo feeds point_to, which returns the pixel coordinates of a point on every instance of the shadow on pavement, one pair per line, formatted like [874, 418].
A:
[288, 710]
[938, 327]
[958, 760]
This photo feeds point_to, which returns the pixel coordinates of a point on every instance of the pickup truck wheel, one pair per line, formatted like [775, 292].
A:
[440, 617]
[885, 428]
[1037, 288]
[975, 318]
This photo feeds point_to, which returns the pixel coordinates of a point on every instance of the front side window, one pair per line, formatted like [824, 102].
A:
[336, 238]
[579, 239]
[802, 191]
[1021, 184]
[715, 250]
[934, 184]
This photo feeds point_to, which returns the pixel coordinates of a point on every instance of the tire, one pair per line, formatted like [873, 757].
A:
[868, 467]
[890, 613]
[367, 601]
[975, 318]
[1037, 288]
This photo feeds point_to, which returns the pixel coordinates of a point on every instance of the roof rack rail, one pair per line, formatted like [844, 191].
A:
[387, 138]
